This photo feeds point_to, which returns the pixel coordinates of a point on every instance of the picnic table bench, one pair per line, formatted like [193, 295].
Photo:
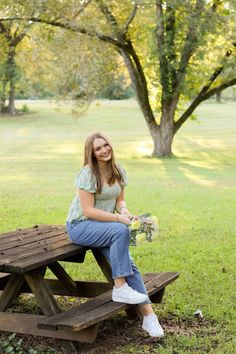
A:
[25, 254]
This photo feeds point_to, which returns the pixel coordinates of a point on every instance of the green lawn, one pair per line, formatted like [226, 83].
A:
[193, 195]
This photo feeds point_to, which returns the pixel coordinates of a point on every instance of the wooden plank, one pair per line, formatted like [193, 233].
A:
[27, 324]
[160, 281]
[102, 307]
[27, 233]
[83, 288]
[11, 291]
[42, 292]
[22, 231]
[33, 244]
[30, 240]
[52, 322]
[28, 254]
[78, 258]
[34, 262]
[94, 316]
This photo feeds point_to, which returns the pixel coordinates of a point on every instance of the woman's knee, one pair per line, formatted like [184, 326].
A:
[120, 233]
[123, 231]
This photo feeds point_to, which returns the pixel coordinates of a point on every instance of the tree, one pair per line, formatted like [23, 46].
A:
[164, 45]
[12, 33]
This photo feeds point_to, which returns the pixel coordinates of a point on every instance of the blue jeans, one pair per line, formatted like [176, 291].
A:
[112, 239]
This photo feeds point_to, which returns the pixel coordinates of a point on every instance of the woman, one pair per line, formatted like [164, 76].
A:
[92, 222]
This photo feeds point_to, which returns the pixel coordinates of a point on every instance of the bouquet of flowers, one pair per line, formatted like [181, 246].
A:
[145, 228]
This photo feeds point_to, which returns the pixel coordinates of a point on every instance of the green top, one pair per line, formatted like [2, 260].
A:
[106, 200]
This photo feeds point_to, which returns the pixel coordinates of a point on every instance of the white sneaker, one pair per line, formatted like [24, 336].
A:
[128, 295]
[152, 326]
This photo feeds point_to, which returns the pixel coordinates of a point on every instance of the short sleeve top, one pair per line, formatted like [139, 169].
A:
[106, 200]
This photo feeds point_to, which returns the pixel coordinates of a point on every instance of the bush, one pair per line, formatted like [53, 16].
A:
[25, 109]
[11, 345]
[117, 90]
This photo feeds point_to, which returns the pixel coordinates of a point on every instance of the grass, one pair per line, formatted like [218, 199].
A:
[193, 195]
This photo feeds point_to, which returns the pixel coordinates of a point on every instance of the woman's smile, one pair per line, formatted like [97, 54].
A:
[102, 150]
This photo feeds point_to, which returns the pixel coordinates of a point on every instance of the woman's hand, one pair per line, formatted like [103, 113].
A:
[124, 219]
[125, 211]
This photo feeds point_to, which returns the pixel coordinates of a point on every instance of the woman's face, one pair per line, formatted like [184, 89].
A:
[102, 150]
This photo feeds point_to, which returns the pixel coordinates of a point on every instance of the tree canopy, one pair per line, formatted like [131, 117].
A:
[177, 53]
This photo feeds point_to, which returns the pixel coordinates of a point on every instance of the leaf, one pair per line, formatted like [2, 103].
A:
[9, 349]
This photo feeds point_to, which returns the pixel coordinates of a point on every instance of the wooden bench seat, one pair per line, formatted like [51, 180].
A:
[102, 307]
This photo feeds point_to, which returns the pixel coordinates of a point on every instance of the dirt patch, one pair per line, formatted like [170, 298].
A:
[113, 334]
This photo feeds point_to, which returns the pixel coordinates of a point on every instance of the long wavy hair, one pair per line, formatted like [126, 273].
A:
[90, 159]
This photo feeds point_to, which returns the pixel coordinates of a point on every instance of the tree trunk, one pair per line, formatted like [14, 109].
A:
[11, 67]
[218, 97]
[2, 103]
[3, 97]
[163, 138]
[11, 98]
[162, 134]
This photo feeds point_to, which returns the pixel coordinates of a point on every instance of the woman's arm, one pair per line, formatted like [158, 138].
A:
[121, 205]
[87, 204]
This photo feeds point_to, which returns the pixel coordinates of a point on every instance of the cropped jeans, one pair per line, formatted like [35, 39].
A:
[112, 239]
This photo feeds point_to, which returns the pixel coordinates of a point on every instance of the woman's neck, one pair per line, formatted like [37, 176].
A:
[103, 166]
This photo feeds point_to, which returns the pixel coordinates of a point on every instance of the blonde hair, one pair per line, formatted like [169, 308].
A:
[91, 160]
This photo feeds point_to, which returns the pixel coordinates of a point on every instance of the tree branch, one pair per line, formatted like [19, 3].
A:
[72, 28]
[5, 31]
[139, 82]
[219, 88]
[2, 28]
[131, 16]
[170, 44]
[200, 99]
[191, 43]
[215, 4]
[82, 8]
[160, 33]
[110, 18]
[216, 73]
[17, 39]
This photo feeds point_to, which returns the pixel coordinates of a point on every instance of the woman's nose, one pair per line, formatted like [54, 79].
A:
[105, 148]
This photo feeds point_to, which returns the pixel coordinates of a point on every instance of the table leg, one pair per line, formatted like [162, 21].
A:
[46, 300]
[11, 291]
[42, 292]
[103, 264]
[63, 277]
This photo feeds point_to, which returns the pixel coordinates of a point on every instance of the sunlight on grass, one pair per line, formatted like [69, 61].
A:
[193, 195]
[197, 179]
[18, 177]
[144, 148]
[66, 148]
[23, 132]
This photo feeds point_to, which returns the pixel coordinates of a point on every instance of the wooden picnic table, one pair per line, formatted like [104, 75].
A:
[25, 254]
